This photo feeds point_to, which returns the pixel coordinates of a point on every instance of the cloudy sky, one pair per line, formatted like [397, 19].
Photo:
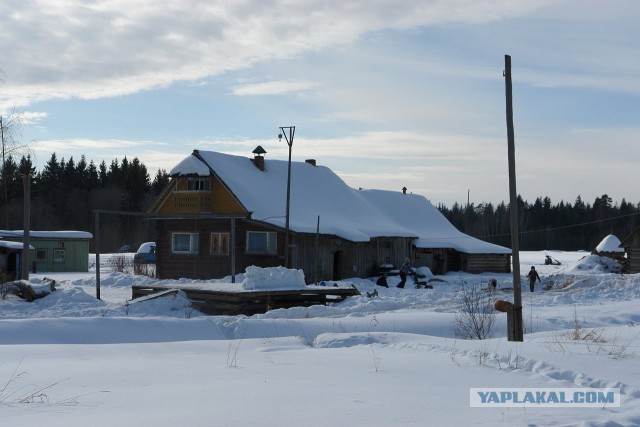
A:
[387, 94]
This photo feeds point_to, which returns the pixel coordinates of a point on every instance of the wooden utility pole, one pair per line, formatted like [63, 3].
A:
[26, 228]
[515, 326]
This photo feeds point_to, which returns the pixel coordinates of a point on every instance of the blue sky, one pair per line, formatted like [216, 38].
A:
[387, 94]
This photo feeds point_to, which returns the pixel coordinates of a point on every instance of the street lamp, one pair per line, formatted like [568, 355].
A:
[289, 139]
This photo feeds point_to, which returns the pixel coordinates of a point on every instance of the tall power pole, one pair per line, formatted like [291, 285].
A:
[515, 326]
[289, 140]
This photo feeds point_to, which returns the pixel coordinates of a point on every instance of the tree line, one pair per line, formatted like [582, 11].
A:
[66, 193]
[544, 225]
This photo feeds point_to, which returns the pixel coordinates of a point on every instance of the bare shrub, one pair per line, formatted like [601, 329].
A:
[119, 263]
[144, 269]
[593, 339]
[475, 318]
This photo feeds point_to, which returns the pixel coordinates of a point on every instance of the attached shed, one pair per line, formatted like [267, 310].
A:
[439, 245]
[56, 250]
[11, 260]
[631, 246]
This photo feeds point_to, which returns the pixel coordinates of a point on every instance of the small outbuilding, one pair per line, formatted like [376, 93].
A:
[610, 247]
[55, 250]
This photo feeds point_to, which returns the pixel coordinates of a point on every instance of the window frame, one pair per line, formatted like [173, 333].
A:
[194, 241]
[219, 243]
[40, 251]
[271, 243]
[57, 259]
[199, 184]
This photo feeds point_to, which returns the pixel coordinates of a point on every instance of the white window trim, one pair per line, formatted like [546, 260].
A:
[57, 259]
[193, 243]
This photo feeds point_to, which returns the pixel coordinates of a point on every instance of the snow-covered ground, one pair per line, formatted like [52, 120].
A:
[393, 359]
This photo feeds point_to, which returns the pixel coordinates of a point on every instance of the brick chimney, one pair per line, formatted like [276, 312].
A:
[258, 158]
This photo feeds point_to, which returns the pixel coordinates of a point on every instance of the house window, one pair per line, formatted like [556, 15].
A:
[198, 184]
[219, 243]
[41, 255]
[184, 243]
[262, 242]
[58, 256]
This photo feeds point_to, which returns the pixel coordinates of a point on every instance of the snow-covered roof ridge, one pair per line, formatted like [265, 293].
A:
[316, 191]
[58, 234]
[609, 244]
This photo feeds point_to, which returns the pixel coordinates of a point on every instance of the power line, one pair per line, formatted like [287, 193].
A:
[565, 226]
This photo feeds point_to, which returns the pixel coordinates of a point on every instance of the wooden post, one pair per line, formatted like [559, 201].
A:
[26, 254]
[315, 272]
[97, 255]
[514, 322]
[233, 250]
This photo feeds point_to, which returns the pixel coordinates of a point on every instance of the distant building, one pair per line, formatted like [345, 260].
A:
[55, 250]
[610, 247]
[222, 213]
[631, 245]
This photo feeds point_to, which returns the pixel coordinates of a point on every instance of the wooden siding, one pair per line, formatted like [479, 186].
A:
[204, 265]
[631, 246]
[248, 302]
[632, 263]
[338, 259]
[335, 259]
[441, 261]
[482, 263]
[76, 255]
[191, 201]
[178, 200]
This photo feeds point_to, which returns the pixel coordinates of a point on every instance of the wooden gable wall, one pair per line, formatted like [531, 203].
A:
[218, 199]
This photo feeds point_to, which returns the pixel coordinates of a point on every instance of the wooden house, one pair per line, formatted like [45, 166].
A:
[631, 246]
[56, 250]
[223, 213]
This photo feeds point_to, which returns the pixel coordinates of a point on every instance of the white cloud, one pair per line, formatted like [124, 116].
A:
[60, 49]
[272, 88]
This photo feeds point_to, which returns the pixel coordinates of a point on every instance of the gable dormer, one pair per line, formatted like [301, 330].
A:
[196, 189]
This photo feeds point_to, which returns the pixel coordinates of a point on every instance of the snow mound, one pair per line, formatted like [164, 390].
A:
[258, 278]
[594, 264]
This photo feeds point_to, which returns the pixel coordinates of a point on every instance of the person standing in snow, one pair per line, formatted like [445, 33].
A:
[404, 270]
[533, 276]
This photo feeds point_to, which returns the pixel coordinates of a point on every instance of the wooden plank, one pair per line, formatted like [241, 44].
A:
[250, 302]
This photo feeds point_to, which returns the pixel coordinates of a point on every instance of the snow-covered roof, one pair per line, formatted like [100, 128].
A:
[12, 245]
[69, 234]
[432, 228]
[190, 165]
[316, 191]
[609, 244]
